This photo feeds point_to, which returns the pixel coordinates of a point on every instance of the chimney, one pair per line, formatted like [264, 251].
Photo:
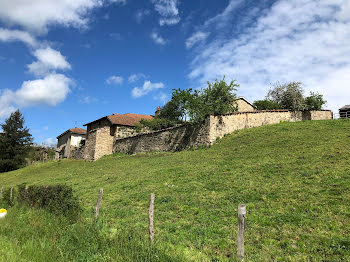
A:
[157, 111]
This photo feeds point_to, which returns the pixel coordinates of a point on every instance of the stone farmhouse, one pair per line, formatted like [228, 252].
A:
[68, 141]
[102, 133]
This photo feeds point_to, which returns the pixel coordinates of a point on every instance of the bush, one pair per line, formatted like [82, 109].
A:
[314, 101]
[266, 105]
[58, 199]
[156, 124]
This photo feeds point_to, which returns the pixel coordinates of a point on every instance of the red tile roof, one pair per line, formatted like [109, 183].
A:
[75, 130]
[124, 119]
[127, 119]
[78, 130]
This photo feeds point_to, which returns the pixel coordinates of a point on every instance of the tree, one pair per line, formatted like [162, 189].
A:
[266, 105]
[288, 96]
[314, 102]
[15, 143]
[195, 105]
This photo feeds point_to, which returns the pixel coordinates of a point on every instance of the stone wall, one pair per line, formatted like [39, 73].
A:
[226, 124]
[78, 153]
[123, 131]
[170, 139]
[181, 137]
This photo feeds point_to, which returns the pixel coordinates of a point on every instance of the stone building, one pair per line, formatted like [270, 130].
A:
[344, 112]
[102, 133]
[69, 140]
[244, 105]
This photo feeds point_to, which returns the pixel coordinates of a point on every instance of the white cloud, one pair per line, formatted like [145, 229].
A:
[50, 141]
[6, 107]
[168, 11]
[46, 128]
[87, 100]
[196, 38]
[48, 59]
[122, 2]
[50, 90]
[38, 15]
[141, 14]
[292, 40]
[147, 87]
[115, 80]
[135, 77]
[17, 35]
[162, 97]
[158, 39]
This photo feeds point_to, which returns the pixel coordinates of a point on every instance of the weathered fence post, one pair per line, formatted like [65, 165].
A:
[1, 191]
[11, 192]
[241, 228]
[98, 204]
[150, 218]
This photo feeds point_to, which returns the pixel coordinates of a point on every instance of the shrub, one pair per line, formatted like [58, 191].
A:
[58, 199]
[315, 101]
[266, 105]
[156, 124]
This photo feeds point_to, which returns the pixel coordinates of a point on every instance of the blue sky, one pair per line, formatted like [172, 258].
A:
[66, 63]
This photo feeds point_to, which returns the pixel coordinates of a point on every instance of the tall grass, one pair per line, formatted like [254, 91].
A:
[36, 235]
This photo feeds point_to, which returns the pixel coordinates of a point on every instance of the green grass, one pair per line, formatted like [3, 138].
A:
[293, 177]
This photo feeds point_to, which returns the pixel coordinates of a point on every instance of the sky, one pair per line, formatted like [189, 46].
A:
[66, 63]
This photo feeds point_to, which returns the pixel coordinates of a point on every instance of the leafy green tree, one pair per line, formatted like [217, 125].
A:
[219, 98]
[288, 96]
[195, 105]
[15, 143]
[266, 105]
[315, 101]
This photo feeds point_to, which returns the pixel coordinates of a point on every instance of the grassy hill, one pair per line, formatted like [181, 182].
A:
[293, 177]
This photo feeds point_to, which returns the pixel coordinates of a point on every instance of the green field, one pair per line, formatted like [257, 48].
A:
[293, 177]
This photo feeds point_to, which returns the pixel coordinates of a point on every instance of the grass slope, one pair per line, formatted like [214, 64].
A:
[293, 177]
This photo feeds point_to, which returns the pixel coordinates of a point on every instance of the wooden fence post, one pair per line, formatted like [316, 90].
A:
[1, 191]
[241, 228]
[98, 204]
[150, 218]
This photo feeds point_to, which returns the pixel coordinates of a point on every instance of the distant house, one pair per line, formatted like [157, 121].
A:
[344, 112]
[244, 105]
[67, 141]
[102, 133]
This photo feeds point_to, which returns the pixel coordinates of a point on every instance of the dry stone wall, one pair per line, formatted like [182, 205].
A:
[171, 139]
[181, 137]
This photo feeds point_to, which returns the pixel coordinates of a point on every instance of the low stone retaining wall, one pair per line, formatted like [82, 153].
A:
[226, 124]
[170, 139]
[185, 136]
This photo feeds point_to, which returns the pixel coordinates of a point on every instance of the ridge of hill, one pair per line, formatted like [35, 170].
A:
[293, 177]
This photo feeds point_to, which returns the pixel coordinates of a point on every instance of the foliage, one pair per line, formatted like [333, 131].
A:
[15, 142]
[36, 235]
[194, 105]
[288, 96]
[291, 96]
[294, 181]
[315, 101]
[40, 153]
[58, 199]
[9, 199]
[266, 105]
[155, 124]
